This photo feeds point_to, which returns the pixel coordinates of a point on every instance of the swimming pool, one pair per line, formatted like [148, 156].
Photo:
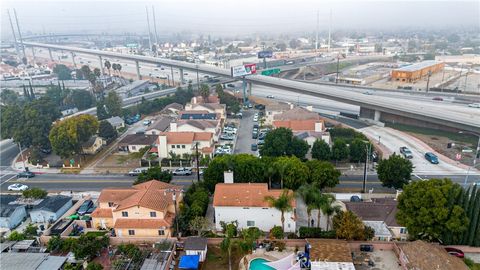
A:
[258, 264]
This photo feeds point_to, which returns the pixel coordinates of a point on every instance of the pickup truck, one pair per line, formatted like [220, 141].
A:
[137, 171]
[406, 152]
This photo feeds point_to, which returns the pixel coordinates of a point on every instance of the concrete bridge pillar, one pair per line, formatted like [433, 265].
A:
[101, 63]
[181, 76]
[249, 88]
[50, 53]
[73, 60]
[33, 54]
[173, 79]
[371, 116]
[139, 76]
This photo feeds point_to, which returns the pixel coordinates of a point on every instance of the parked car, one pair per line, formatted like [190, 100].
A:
[406, 152]
[367, 93]
[182, 171]
[260, 141]
[137, 171]
[474, 105]
[147, 122]
[227, 137]
[260, 107]
[231, 85]
[84, 207]
[25, 174]
[455, 252]
[437, 99]
[239, 115]
[17, 187]
[431, 157]
[254, 135]
[255, 119]
[254, 147]
[366, 248]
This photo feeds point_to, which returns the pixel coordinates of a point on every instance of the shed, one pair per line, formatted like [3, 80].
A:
[196, 246]
[189, 262]
[51, 209]
[116, 122]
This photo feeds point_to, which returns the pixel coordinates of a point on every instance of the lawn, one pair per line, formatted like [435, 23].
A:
[454, 136]
[96, 233]
[217, 260]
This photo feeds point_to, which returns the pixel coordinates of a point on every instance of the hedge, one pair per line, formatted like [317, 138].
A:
[313, 232]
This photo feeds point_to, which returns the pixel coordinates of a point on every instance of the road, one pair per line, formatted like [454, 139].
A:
[244, 133]
[8, 151]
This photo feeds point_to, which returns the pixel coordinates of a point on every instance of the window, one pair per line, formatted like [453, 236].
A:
[124, 214]
[110, 204]
[403, 230]
[131, 232]
[178, 146]
[183, 146]
[161, 232]
[153, 214]
[134, 147]
[173, 146]
[250, 223]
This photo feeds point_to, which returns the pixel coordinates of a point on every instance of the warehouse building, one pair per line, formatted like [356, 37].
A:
[417, 71]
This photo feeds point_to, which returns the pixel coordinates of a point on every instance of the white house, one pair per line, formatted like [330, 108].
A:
[196, 246]
[50, 209]
[245, 203]
[181, 143]
[212, 126]
[11, 213]
[273, 109]
[133, 143]
[116, 122]
[210, 107]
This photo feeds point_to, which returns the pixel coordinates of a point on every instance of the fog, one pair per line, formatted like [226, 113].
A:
[236, 17]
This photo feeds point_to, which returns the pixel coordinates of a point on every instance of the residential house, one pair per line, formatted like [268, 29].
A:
[31, 261]
[311, 136]
[198, 115]
[93, 145]
[50, 209]
[159, 125]
[116, 122]
[383, 211]
[273, 109]
[144, 210]
[212, 126]
[172, 108]
[245, 203]
[196, 246]
[11, 213]
[69, 111]
[181, 143]
[210, 107]
[425, 256]
[133, 143]
[329, 254]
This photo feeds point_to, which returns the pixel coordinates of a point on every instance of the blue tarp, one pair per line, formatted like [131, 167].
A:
[189, 262]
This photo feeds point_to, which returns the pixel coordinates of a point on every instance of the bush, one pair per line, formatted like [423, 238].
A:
[34, 193]
[276, 232]
[16, 236]
[314, 232]
[280, 245]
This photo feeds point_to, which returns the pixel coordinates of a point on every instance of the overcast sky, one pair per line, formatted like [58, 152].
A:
[229, 17]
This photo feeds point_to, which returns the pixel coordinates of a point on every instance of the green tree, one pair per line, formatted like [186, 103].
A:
[94, 266]
[113, 104]
[339, 150]
[55, 243]
[200, 224]
[322, 174]
[309, 196]
[246, 168]
[329, 209]
[429, 211]
[102, 113]
[283, 204]
[226, 247]
[395, 171]
[34, 193]
[321, 150]
[81, 99]
[63, 72]
[9, 97]
[204, 91]
[358, 150]
[292, 171]
[154, 173]
[16, 236]
[277, 232]
[107, 131]
[67, 136]
[87, 246]
[213, 174]
[281, 142]
[108, 65]
[348, 226]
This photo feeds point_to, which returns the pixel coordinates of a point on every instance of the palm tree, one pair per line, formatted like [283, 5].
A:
[226, 246]
[308, 194]
[320, 200]
[204, 91]
[108, 65]
[114, 67]
[283, 204]
[269, 172]
[329, 209]
[281, 169]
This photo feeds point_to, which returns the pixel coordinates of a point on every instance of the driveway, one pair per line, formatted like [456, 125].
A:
[244, 133]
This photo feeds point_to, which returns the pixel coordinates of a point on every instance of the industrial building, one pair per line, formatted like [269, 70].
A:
[417, 71]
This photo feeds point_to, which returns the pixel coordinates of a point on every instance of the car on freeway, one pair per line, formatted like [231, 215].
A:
[368, 93]
[254, 147]
[437, 99]
[25, 174]
[455, 252]
[182, 171]
[83, 209]
[17, 187]
[474, 105]
[406, 152]
[270, 96]
[231, 85]
[431, 157]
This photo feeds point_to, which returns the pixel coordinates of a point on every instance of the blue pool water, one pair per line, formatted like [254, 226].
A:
[257, 264]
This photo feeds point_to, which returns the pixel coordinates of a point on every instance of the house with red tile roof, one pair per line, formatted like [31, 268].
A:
[181, 143]
[144, 210]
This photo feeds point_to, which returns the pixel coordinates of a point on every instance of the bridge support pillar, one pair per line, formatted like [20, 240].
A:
[50, 53]
[33, 54]
[101, 63]
[181, 76]
[371, 116]
[73, 60]
[377, 115]
[139, 76]
[173, 79]
[249, 88]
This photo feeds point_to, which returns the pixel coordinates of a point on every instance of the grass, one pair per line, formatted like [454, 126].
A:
[96, 233]
[71, 170]
[217, 260]
[454, 136]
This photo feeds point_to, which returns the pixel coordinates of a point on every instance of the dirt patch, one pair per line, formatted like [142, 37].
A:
[118, 163]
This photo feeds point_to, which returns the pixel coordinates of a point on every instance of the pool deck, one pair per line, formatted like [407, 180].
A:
[261, 253]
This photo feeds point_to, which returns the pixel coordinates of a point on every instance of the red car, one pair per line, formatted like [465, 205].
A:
[455, 252]
[437, 98]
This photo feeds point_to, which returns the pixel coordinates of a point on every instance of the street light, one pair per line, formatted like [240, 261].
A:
[476, 154]
[368, 147]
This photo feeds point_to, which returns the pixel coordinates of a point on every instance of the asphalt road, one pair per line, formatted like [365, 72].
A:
[244, 133]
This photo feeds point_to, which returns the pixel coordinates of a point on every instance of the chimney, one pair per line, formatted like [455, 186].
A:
[228, 177]
[309, 108]
[173, 126]
[318, 126]
[194, 100]
[399, 191]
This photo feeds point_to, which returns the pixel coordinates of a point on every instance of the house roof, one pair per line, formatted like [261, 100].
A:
[195, 243]
[305, 134]
[195, 115]
[244, 195]
[186, 137]
[425, 256]
[161, 123]
[209, 106]
[280, 106]
[297, 125]
[138, 139]
[115, 121]
[90, 142]
[52, 203]
[173, 106]
[330, 250]
[201, 124]
[152, 195]
[380, 228]
[376, 210]
[212, 98]
[297, 113]
[7, 210]
[102, 212]
[150, 223]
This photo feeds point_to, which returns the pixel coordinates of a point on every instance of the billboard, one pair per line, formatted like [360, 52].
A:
[247, 69]
[265, 54]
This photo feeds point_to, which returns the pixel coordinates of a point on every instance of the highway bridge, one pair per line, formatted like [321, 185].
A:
[375, 108]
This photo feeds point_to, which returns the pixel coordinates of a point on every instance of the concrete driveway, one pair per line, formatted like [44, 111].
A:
[244, 133]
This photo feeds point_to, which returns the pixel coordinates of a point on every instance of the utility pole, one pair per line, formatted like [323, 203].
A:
[155, 25]
[149, 32]
[198, 80]
[21, 154]
[198, 161]
[367, 150]
[338, 62]
[428, 79]
[466, 76]
[316, 38]
[19, 33]
[14, 35]
[174, 198]
[330, 30]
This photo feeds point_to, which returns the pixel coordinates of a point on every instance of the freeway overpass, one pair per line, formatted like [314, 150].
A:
[376, 108]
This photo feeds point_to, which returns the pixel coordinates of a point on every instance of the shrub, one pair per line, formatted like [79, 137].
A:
[276, 232]
[16, 236]
[313, 232]
[34, 193]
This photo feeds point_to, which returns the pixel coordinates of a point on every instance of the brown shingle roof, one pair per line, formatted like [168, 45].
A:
[201, 124]
[130, 223]
[376, 210]
[330, 250]
[244, 195]
[161, 123]
[425, 256]
[138, 139]
[297, 113]
[102, 212]
[186, 137]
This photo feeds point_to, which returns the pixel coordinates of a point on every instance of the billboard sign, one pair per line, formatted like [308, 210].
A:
[270, 72]
[247, 69]
[265, 54]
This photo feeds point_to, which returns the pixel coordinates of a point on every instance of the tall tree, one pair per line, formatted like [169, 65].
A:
[329, 208]
[293, 172]
[107, 131]
[113, 104]
[309, 196]
[63, 72]
[283, 204]
[348, 226]
[204, 91]
[108, 65]
[339, 150]
[321, 150]
[281, 142]
[322, 174]
[81, 99]
[9, 97]
[395, 171]
[358, 150]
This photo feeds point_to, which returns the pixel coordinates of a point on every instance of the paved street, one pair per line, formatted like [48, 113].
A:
[8, 152]
[244, 133]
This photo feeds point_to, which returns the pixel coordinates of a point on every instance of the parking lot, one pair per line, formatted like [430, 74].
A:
[244, 133]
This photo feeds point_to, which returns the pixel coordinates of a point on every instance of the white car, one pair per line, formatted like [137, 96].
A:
[17, 187]
[270, 96]
[474, 105]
